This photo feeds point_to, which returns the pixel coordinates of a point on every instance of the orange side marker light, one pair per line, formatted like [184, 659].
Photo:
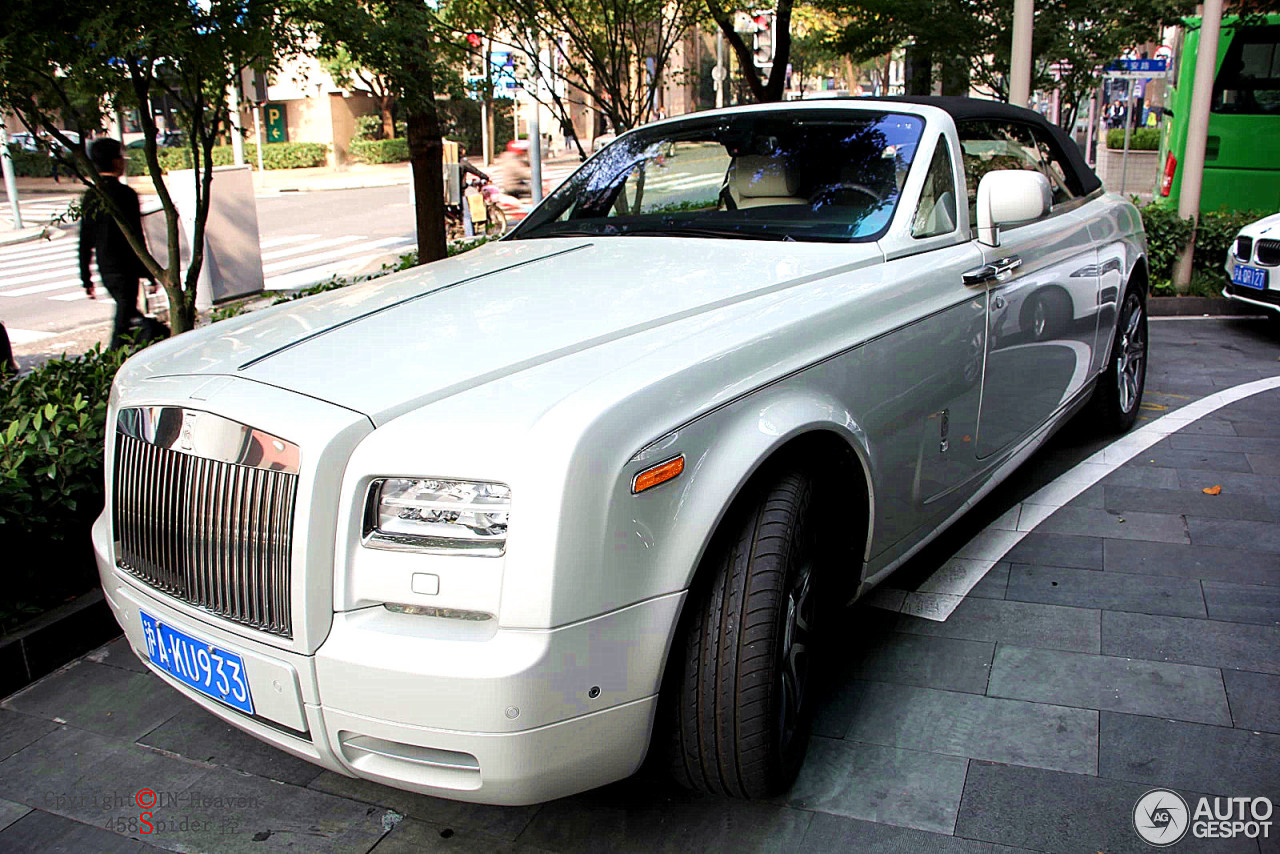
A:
[654, 475]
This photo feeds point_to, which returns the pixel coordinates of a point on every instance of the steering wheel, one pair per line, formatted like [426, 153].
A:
[830, 190]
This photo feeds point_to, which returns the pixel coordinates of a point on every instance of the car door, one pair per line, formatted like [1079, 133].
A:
[1042, 317]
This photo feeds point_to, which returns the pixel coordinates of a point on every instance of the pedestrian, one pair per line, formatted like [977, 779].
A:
[118, 265]
[8, 367]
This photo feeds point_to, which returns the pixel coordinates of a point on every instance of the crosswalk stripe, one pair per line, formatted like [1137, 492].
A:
[311, 275]
[28, 263]
[26, 336]
[385, 242]
[307, 247]
[28, 251]
[288, 238]
[64, 270]
[45, 288]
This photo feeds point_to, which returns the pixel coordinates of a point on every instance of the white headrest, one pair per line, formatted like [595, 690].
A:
[756, 176]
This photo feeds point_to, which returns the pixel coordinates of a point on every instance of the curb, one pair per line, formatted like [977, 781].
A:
[55, 639]
[1198, 306]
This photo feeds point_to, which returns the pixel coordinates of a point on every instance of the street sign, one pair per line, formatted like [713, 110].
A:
[277, 128]
[1137, 68]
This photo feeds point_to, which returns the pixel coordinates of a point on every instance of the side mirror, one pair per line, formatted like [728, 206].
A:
[1007, 196]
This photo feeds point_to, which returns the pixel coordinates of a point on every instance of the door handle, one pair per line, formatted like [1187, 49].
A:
[994, 270]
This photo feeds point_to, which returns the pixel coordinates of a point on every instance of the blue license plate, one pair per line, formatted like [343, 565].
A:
[212, 671]
[1249, 277]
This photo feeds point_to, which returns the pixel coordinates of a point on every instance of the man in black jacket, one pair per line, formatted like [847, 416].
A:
[118, 264]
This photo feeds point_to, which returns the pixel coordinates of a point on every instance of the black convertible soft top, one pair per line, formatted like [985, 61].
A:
[977, 109]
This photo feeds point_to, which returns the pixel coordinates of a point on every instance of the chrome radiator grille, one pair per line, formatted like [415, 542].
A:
[213, 530]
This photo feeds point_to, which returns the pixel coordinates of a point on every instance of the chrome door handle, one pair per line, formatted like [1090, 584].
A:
[994, 270]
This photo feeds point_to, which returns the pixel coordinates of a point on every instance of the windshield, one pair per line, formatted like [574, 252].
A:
[822, 175]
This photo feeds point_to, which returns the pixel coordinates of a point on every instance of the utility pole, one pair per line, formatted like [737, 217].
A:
[1020, 56]
[237, 139]
[1197, 134]
[10, 183]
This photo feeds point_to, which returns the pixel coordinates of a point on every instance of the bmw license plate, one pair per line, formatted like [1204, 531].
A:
[1249, 277]
[212, 671]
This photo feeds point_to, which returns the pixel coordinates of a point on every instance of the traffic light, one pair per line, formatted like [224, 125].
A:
[473, 40]
[763, 42]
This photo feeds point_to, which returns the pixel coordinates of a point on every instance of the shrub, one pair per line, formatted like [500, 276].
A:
[52, 429]
[1142, 139]
[1167, 236]
[380, 150]
[275, 155]
[367, 128]
[30, 164]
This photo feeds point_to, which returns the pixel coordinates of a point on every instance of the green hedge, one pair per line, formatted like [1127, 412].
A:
[1167, 236]
[380, 150]
[52, 429]
[275, 155]
[30, 164]
[1142, 139]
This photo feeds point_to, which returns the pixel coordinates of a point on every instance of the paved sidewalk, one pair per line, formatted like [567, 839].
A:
[1130, 641]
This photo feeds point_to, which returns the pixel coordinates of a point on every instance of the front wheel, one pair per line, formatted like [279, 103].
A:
[742, 710]
[496, 221]
[1119, 392]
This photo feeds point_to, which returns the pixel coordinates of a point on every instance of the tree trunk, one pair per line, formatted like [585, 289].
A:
[955, 76]
[918, 71]
[388, 120]
[427, 161]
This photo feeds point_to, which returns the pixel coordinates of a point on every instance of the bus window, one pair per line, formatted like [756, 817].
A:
[1249, 80]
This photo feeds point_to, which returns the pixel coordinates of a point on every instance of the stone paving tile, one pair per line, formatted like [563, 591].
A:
[1215, 760]
[1212, 643]
[18, 730]
[9, 813]
[1157, 527]
[1242, 603]
[1264, 463]
[1256, 428]
[52, 834]
[1209, 426]
[1244, 444]
[1187, 502]
[1142, 477]
[504, 823]
[1058, 550]
[931, 662]
[993, 584]
[1202, 562]
[1231, 482]
[198, 735]
[1022, 623]
[1181, 691]
[876, 783]
[1215, 461]
[101, 699]
[1062, 813]
[118, 653]
[412, 836]
[837, 833]
[1254, 699]
[956, 724]
[1234, 534]
[643, 816]
[1114, 591]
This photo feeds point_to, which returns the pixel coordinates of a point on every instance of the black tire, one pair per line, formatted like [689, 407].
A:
[1115, 405]
[742, 694]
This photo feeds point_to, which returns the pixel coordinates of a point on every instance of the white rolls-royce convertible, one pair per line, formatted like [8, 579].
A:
[495, 528]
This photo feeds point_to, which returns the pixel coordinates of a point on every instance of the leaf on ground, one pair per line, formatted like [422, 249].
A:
[1212, 490]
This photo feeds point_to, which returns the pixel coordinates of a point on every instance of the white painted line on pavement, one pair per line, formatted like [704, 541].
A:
[320, 257]
[30, 249]
[288, 238]
[312, 275]
[309, 247]
[45, 288]
[944, 590]
[26, 336]
[28, 264]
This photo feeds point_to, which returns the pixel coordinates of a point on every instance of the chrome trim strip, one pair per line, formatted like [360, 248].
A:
[213, 437]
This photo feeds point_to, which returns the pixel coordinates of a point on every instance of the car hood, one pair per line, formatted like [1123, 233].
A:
[390, 345]
[1268, 226]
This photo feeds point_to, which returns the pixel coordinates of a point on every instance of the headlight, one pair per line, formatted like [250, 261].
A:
[438, 516]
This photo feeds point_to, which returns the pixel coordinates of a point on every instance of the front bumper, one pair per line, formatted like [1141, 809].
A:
[437, 706]
[1273, 307]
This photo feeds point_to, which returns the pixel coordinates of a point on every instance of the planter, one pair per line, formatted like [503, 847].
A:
[53, 639]
[1141, 176]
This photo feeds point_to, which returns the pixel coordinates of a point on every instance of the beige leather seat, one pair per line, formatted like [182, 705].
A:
[757, 181]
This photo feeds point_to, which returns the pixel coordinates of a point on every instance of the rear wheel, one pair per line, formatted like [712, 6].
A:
[1119, 392]
[741, 713]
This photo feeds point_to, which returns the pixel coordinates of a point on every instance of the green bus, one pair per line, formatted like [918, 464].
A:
[1242, 153]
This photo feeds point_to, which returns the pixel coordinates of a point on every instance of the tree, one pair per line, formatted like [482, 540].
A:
[348, 74]
[405, 43]
[768, 88]
[616, 53]
[63, 64]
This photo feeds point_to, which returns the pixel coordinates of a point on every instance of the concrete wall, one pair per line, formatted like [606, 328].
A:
[1140, 176]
